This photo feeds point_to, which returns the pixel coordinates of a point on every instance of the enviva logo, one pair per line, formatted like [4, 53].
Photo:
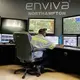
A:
[63, 5]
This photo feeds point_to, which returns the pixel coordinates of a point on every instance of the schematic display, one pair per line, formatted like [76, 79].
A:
[70, 41]
[71, 25]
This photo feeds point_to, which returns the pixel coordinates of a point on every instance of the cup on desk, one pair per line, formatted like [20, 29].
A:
[60, 46]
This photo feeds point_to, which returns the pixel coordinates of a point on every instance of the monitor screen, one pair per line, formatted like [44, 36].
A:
[71, 25]
[0, 38]
[9, 26]
[5, 38]
[36, 24]
[53, 39]
[78, 41]
[70, 41]
[0, 21]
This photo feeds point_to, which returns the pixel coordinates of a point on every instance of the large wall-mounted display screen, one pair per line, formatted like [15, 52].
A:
[36, 24]
[71, 25]
[12, 25]
[70, 41]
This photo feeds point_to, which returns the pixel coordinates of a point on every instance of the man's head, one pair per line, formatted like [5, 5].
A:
[42, 31]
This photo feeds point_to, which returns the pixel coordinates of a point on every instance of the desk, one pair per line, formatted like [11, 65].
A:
[61, 59]
[65, 59]
[7, 54]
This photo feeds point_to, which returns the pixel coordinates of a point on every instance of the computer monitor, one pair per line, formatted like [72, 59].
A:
[70, 41]
[71, 25]
[36, 24]
[53, 39]
[5, 38]
[0, 21]
[10, 25]
[0, 38]
[78, 41]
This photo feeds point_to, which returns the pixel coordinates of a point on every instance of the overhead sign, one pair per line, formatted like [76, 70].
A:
[48, 8]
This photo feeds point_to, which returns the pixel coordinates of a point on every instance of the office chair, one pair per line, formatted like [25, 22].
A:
[24, 53]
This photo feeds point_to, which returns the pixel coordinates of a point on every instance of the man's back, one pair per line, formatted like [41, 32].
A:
[39, 41]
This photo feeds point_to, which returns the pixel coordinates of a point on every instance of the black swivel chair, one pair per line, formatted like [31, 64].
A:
[24, 52]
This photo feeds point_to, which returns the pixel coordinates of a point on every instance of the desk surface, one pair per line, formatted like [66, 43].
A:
[71, 48]
[6, 44]
[65, 47]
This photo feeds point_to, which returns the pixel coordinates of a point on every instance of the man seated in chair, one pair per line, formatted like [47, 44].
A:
[40, 42]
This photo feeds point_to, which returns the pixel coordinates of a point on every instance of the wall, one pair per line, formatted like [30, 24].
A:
[17, 9]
